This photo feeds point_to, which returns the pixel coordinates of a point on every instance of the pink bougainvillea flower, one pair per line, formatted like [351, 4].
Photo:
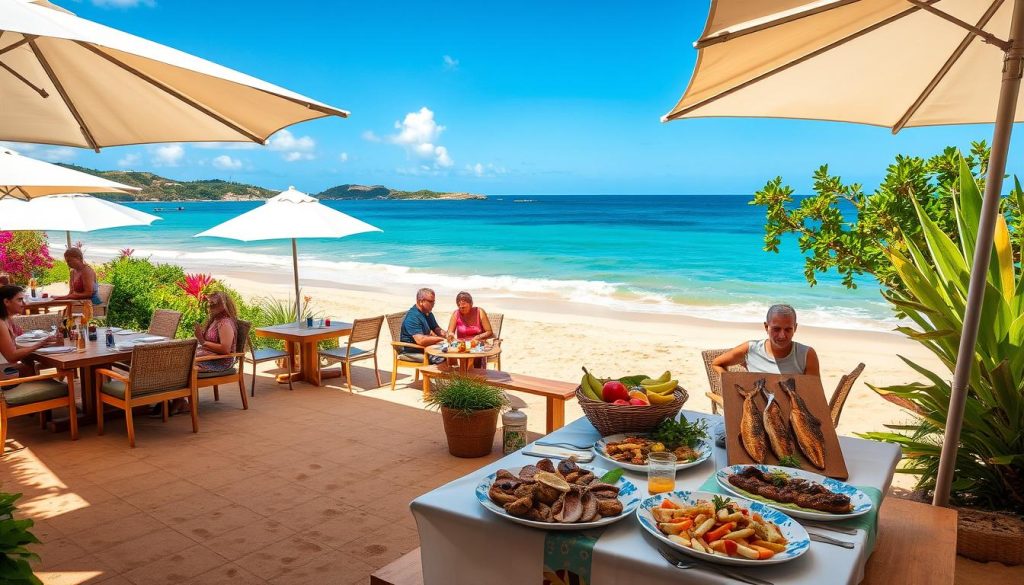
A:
[195, 285]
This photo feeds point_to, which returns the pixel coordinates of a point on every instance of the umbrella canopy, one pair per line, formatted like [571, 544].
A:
[68, 213]
[26, 178]
[289, 215]
[894, 63]
[73, 82]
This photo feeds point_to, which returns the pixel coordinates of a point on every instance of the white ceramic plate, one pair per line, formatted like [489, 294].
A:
[55, 349]
[599, 447]
[629, 495]
[861, 502]
[798, 541]
[124, 332]
[150, 339]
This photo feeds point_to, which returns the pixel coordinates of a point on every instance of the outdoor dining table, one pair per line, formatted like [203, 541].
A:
[463, 543]
[95, 356]
[465, 358]
[306, 338]
[36, 305]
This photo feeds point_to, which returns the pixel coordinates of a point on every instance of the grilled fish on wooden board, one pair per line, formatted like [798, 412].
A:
[806, 426]
[752, 431]
[775, 426]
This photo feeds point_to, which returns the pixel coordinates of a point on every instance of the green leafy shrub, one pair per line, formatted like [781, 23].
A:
[14, 538]
[934, 281]
[59, 272]
[139, 287]
[465, 394]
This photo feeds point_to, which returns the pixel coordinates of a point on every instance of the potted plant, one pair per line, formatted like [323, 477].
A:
[469, 409]
[14, 536]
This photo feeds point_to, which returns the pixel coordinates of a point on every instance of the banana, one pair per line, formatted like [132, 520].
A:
[664, 377]
[592, 387]
[587, 390]
[662, 388]
[656, 398]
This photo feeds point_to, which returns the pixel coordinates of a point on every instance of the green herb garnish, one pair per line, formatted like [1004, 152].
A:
[790, 461]
[720, 502]
[778, 478]
[674, 434]
[613, 475]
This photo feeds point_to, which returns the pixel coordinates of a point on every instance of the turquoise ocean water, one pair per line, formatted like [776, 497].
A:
[695, 255]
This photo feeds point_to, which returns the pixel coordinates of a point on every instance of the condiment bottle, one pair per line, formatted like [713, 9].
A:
[513, 430]
[80, 340]
[32, 287]
[110, 337]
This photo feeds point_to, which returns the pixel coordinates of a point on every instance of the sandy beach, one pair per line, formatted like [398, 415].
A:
[554, 339]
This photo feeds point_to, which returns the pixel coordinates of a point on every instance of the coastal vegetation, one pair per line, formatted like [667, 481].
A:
[916, 236]
[156, 188]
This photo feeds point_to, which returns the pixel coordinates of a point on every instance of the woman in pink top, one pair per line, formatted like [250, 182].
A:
[469, 323]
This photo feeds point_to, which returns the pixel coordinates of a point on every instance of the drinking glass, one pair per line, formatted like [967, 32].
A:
[661, 472]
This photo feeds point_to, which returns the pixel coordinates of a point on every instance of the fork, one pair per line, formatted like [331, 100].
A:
[829, 540]
[680, 564]
[828, 526]
[566, 445]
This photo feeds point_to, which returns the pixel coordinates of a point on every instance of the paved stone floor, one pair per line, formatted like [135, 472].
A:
[311, 486]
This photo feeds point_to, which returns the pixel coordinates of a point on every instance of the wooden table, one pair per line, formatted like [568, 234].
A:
[96, 355]
[465, 358]
[306, 338]
[35, 305]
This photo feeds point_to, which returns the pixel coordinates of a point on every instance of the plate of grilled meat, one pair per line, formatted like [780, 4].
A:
[796, 492]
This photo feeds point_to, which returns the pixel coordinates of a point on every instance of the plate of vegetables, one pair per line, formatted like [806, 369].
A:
[729, 531]
[687, 440]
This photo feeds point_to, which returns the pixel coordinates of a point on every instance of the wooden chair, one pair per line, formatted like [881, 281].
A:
[363, 330]
[160, 372]
[267, 354]
[835, 404]
[36, 394]
[231, 375]
[714, 378]
[496, 320]
[397, 346]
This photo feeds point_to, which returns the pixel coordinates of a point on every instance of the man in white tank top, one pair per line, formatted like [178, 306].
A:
[778, 354]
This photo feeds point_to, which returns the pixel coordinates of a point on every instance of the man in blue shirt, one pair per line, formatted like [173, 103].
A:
[420, 327]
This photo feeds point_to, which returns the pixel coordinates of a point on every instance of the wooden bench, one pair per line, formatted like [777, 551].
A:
[916, 545]
[557, 393]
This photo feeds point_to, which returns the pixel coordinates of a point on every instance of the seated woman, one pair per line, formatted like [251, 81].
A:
[469, 323]
[216, 337]
[778, 354]
[12, 302]
[83, 285]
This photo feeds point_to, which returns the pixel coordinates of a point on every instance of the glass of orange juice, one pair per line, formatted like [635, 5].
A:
[661, 472]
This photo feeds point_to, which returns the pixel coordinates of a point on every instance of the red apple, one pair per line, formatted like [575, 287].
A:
[621, 402]
[614, 390]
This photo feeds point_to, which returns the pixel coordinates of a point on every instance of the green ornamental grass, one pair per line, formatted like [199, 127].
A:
[465, 394]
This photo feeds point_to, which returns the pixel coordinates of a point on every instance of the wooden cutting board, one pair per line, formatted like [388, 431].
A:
[809, 388]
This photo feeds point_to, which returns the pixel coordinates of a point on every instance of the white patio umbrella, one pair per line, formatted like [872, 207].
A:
[25, 178]
[74, 212]
[73, 82]
[894, 63]
[290, 215]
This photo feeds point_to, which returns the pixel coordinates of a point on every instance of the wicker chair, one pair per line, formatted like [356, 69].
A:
[160, 372]
[36, 394]
[231, 375]
[397, 346]
[363, 331]
[42, 321]
[496, 320]
[835, 404]
[105, 291]
[714, 378]
[164, 323]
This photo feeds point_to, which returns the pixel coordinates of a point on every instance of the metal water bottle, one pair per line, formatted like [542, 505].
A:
[513, 430]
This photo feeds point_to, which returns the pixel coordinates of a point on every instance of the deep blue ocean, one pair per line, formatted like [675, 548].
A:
[695, 255]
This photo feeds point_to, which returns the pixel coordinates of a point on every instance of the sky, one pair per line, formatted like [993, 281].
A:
[527, 98]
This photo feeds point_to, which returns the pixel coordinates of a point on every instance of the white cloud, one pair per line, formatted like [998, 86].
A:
[294, 148]
[42, 152]
[58, 154]
[343, 157]
[129, 160]
[369, 136]
[124, 3]
[418, 133]
[450, 63]
[483, 170]
[168, 155]
[227, 145]
[226, 163]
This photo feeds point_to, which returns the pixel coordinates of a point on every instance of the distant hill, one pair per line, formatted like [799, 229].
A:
[157, 188]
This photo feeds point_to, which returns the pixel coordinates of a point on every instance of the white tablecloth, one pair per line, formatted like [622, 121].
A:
[465, 544]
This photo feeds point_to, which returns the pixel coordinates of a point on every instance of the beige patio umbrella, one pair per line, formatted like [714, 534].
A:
[69, 81]
[894, 63]
[26, 178]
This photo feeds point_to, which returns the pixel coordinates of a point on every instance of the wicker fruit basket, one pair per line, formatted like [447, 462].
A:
[610, 419]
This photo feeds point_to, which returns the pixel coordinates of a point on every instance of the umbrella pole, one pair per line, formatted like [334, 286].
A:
[68, 234]
[295, 272]
[1012, 68]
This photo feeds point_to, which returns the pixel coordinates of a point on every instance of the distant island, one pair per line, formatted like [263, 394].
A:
[157, 188]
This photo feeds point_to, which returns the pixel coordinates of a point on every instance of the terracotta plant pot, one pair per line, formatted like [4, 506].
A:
[470, 436]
